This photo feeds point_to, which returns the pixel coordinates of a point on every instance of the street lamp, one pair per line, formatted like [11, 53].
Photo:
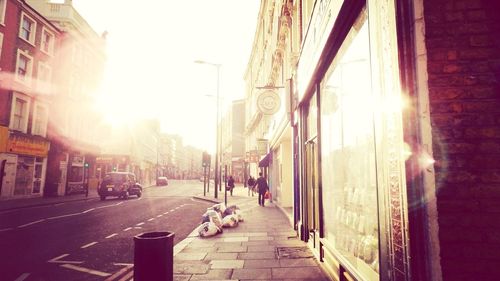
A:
[218, 136]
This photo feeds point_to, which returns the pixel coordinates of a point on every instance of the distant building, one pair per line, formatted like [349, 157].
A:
[28, 54]
[238, 164]
[73, 120]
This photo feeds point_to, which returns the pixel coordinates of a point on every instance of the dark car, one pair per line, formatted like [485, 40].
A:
[161, 181]
[121, 184]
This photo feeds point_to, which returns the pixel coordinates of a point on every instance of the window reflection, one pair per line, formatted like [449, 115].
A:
[348, 155]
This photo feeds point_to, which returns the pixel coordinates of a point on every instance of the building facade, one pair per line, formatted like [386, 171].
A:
[74, 120]
[28, 47]
[393, 120]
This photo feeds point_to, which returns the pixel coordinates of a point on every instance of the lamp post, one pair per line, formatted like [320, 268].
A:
[217, 140]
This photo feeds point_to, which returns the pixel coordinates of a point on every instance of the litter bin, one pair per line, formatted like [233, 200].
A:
[154, 256]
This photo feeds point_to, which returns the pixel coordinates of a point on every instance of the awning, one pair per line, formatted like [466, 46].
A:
[264, 162]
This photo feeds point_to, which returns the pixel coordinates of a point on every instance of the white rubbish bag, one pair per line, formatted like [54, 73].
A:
[230, 221]
[239, 214]
[219, 208]
[208, 229]
[230, 210]
[214, 217]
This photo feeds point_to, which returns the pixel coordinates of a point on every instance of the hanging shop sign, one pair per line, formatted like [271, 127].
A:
[27, 145]
[4, 136]
[268, 102]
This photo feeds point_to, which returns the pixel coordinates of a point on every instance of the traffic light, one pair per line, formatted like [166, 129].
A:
[86, 165]
[205, 159]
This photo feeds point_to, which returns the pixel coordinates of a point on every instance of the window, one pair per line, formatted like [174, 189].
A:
[27, 29]
[40, 120]
[44, 77]
[19, 113]
[24, 67]
[47, 44]
[3, 6]
[1, 42]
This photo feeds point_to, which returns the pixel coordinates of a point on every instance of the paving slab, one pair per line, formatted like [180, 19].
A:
[252, 273]
[221, 256]
[301, 273]
[226, 264]
[264, 263]
[213, 274]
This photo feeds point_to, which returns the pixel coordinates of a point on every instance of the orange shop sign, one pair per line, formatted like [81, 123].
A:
[27, 145]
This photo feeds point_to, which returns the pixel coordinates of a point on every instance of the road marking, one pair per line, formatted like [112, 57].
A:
[58, 260]
[159, 216]
[127, 229]
[127, 267]
[137, 227]
[22, 277]
[127, 277]
[165, 213]
[151, 219]
[89, 210]
[88, 245]
[86, 270]
[119, 203]
[64, 216]
[112, 235]
[139, 224]
[172, 210]
[31, 223]
[5, 229]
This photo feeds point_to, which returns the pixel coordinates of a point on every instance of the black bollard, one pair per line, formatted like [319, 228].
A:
[154, 256]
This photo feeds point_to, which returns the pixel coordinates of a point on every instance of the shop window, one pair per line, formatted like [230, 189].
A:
[19, 113]
[24, 175]
[27, 29]
[348, 155]
[37, 181]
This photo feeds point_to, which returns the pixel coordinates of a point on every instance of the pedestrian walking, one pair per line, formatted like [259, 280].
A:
[230, 184]
[262, 187]
[251, 185]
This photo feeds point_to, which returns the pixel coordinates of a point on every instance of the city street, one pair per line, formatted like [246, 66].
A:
[92, 239]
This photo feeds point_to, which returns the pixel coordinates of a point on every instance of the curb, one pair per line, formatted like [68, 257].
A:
[206, 199]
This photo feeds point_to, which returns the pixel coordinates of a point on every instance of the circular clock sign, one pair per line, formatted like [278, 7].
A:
[268, 102]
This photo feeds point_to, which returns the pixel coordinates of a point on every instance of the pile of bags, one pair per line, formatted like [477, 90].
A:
[217, 217]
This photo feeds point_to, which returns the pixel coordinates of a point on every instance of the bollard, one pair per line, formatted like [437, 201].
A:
[154, 256]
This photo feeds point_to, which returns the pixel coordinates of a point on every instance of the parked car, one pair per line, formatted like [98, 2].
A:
[161, 181]
[121, 184]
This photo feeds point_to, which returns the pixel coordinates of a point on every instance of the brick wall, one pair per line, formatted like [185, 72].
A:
[463, 45]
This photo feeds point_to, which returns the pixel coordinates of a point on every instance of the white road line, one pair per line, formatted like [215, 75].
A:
[31, 223]
[64, 216]
[165, 213]
[58, 260]
[88, 245]
[127, 267]
[137, 227]
[5, 229]
[172, 210]
[118, 203]
[151, 219]
[139, 224]
[89, 210]
[86, 270]
[22, 277]
[159, 216]
[112, 235]
[127, 229]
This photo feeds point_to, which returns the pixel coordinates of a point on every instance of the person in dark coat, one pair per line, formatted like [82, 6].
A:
[230, 184]
[262, 187]
[251, 185]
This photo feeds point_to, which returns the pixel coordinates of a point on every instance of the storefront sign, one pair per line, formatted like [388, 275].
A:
[268, 102]
[4, 136]
[27, 145]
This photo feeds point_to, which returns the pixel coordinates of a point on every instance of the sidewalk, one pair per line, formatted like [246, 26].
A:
[262, 247]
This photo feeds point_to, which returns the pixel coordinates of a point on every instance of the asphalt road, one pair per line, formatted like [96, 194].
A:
[91, 240]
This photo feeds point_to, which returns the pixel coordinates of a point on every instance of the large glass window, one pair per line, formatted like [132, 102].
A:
[348, 155]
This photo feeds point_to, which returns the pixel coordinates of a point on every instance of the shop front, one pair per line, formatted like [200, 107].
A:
[23, 162]
[349, 140]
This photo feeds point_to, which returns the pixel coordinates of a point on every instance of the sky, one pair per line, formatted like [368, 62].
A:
[151, 49]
